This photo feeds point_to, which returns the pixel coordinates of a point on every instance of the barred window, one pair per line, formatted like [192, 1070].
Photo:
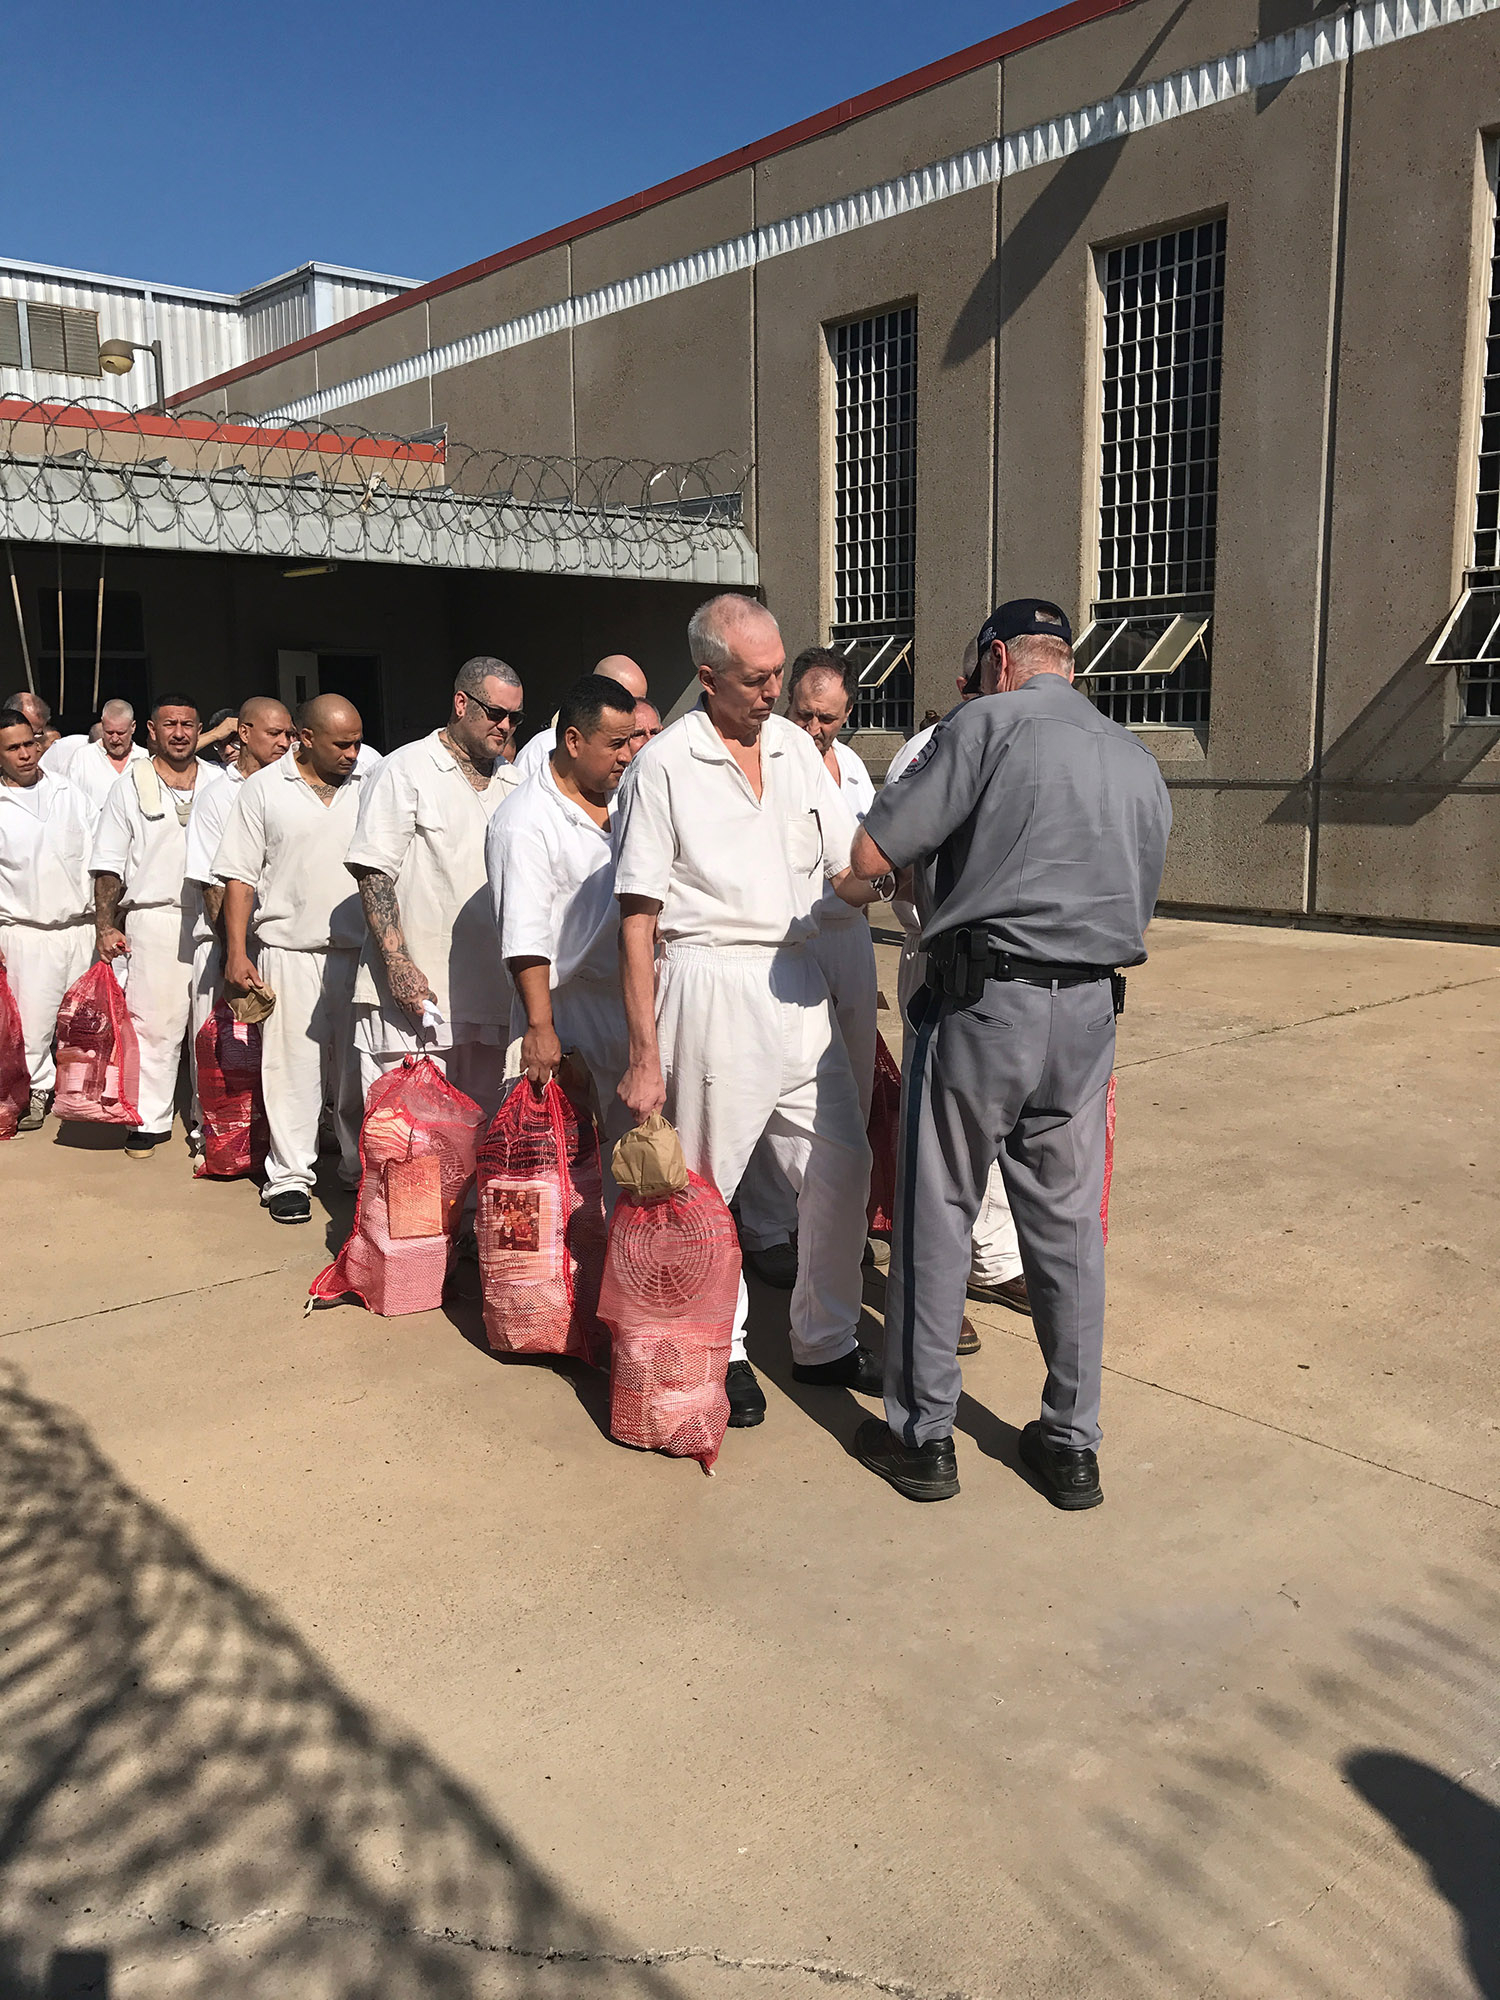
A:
[1470, 639]
[1145, 655]
[875, 510]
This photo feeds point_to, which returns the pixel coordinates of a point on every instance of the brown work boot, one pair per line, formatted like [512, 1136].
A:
[1012, 1293]
[968, 1337]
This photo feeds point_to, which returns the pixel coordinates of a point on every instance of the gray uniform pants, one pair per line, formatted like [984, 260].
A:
[1023, 1074]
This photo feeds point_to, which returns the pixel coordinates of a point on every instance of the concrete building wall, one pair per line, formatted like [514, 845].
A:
[1335, 777]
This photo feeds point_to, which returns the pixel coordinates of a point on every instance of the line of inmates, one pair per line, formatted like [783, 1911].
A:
[681, 918]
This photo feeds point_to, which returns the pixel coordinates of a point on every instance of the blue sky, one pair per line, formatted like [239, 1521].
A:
[215, 146]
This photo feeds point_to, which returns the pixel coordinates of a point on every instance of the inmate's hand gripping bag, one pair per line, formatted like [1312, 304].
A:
[416, 1156]
[540, 1227]
[98, 1057]
[671, 1280]
[883, 1131]
[15, 1078]
[235, 1134]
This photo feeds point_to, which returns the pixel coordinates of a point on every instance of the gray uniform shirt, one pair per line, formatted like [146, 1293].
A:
[1047, 822]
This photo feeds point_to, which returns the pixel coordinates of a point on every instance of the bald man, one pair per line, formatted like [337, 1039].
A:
[283, 847]
[263, 732]
[617, 667]
[92, 767]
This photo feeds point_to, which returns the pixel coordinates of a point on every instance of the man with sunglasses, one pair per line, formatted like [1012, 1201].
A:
[431, 979]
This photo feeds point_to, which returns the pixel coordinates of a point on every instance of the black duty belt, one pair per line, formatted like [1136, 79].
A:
[960, 964]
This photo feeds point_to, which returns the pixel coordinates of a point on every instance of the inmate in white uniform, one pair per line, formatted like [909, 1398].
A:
[995, 1252]
[845, 951]
[286, 844]
[142, 838]
[743, 1016]
[212, 805]
[89, 767]
[422, 823]
[46, 906]
[552, 880]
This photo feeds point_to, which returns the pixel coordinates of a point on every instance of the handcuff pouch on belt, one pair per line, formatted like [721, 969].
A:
[960, 964]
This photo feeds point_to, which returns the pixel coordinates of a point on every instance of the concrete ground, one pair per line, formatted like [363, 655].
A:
[343, 1659]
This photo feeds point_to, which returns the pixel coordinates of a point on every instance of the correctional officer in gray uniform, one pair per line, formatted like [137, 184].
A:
[1047, 825]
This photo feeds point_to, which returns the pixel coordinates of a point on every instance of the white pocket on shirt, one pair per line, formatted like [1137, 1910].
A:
[804, 843]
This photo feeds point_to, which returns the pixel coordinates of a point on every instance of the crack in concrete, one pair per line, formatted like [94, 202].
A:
[161, 1298]
[826, 1974]
[1312, 1020]
[995, 1325]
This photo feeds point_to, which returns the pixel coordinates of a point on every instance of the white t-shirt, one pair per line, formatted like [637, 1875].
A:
[141, 839]
[46, 833]
[285, 843]
[729, 869]
[367, 763]
[59, 755]
[212, 806]
[536, 751]
[858, 794]
[88, 766]
[422, 823]
[552, 883]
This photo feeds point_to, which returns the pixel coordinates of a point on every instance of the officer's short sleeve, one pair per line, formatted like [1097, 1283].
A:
[937, 792]
[645, 838]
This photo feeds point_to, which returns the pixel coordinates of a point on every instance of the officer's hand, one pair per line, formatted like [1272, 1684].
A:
[642, 1090]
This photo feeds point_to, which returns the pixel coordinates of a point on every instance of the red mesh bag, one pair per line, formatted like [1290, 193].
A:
[416, 1158]
[540, 1227]
[1109, 1155]
[671, 1280]
[15, 1077]
[235, 1134]
[883, 1131]
[98, 1057]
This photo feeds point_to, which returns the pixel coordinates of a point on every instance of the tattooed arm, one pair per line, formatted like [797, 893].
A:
[108, 889]
[383, 920]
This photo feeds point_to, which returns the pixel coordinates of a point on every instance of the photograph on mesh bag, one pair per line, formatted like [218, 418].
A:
[414, 1203]
[520, 1231]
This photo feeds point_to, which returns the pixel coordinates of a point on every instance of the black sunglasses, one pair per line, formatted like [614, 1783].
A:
[514, 716]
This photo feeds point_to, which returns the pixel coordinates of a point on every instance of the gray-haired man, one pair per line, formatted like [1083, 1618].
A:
[1050, 823]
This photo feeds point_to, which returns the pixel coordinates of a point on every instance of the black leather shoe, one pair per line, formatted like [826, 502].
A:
[747, 1400]
[1070, 1479]
[776, 1266]
[291, 1205]
[856, 1370]
[922, 1472]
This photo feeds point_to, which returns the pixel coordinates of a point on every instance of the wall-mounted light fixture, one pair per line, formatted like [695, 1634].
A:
[117, 357]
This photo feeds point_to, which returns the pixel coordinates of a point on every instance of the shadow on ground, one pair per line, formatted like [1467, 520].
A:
[180, 1769]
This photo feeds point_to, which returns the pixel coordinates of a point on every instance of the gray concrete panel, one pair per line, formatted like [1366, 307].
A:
[879, 147]
[1151, 39]
[277, 384]
[670, 380]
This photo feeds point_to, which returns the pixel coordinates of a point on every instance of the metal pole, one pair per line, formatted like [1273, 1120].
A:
[15, 591]
[98, 629]
[159, 407]
[62, 653]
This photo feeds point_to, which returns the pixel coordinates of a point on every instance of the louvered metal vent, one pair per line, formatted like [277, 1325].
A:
[64, 339]
[10, 334]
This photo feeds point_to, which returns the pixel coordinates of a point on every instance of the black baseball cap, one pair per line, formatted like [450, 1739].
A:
[1013, 620]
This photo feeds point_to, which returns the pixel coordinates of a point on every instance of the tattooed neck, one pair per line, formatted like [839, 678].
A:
[475, 769]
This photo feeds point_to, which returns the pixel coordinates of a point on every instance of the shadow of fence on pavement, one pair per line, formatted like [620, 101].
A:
[186, 1788]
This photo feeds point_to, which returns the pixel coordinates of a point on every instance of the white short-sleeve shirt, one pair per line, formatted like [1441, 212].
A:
[552, 883]
[729, 869]
[284, 842]
[46, 835]
[536, 751]
[140, 839]
[422, 823]
[89, 767]
[858, 794]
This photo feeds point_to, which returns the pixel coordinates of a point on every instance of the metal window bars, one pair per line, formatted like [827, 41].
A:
[1146, 656]
[1469, 643]
[875, 509]
[885, 688]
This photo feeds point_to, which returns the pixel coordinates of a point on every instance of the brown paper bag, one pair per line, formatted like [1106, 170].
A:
[648, 1162]
[251, 1008]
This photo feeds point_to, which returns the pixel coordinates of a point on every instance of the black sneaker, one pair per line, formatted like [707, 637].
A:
[776, 1266]
[143, 1145]
[922, 1472]
[747, 1400]
[1069, 1478]
[856, 1370]
[291, 1205]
